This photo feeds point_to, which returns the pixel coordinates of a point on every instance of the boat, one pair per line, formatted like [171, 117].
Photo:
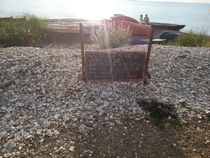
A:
[136, 28]
[118, 17]
[69, 29]
[166, 26]
[142, 29]
[155, 25]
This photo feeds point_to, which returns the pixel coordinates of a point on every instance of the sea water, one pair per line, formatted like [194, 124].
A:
[195, 16]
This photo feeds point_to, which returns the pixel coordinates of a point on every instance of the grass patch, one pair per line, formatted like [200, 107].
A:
[192, 39]
[160, 113]
[24, 31]
[208, 44]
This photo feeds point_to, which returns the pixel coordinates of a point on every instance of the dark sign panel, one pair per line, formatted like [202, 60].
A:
[114, 66]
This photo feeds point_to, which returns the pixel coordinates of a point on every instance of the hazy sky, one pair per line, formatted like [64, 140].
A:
[194, 1]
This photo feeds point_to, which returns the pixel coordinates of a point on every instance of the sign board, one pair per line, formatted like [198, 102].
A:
[114, 66]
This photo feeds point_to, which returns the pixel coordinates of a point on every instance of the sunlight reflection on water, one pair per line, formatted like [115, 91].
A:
[194, 16]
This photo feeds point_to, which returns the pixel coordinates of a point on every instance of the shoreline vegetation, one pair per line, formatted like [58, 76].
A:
[26, 30]
[192, 39]
[29, 30]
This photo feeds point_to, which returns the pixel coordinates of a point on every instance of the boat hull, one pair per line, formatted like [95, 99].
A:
[134, 28]
[166, 26]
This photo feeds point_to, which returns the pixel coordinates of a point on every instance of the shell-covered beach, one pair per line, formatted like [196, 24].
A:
[42, 93]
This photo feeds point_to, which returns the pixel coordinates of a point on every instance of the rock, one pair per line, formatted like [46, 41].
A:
[51, 91]
[118, 122]
[56, 132]
[57, 116]
[39, 131]
[72, 148]
[7, 155]
[46, 123]
[66, 118]
[13, 100]
[19, 104]
[83, 129]
[7, 116]
[49, 133]
[3, 134]
[12, 123]
[17, 81]
[137, 119]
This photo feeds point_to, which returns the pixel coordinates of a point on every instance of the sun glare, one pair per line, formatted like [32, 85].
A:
[94, 9]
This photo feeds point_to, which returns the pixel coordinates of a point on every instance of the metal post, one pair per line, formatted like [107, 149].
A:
[82, 51]
[148, 53]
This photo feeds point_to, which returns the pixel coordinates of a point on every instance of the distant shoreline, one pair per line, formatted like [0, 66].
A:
[68, 22]
[158, 28]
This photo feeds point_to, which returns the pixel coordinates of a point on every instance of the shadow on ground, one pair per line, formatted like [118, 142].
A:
[130, 139]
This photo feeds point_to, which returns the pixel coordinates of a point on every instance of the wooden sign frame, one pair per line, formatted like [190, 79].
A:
[86, 63]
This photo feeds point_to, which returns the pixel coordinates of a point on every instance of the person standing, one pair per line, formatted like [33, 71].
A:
[141, 20]
[146, 20]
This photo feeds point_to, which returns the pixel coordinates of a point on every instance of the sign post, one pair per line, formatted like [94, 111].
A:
[82, 51]
[109, 66]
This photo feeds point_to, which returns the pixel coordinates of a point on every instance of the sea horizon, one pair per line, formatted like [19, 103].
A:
[182, 13]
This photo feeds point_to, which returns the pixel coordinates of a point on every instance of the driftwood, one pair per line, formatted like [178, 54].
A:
[20, 73]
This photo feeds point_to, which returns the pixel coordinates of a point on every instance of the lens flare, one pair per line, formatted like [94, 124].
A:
[93, 9]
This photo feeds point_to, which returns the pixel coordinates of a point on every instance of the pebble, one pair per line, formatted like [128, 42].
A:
[17, 81]
[66, 118]
[49, 133]
[46, 123]
[82, 129]
[72, 148]
[52, 92]
[7, 116]
[2, 134]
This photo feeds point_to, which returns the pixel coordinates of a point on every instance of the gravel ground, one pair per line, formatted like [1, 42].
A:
[42, 94]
